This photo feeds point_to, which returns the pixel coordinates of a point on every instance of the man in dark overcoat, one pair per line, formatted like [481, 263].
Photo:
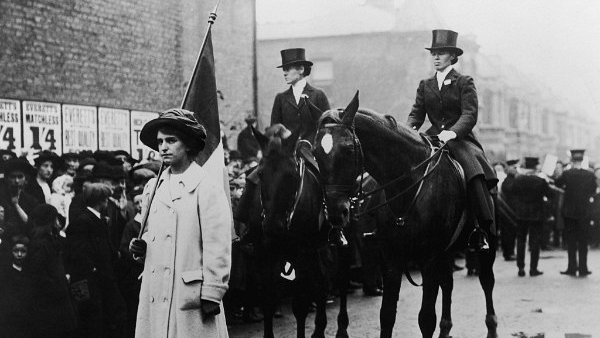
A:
[246, 143]
[301, 105]
[525, 195]
[579, 185]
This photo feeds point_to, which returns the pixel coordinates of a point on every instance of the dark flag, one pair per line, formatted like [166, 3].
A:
[201, 99]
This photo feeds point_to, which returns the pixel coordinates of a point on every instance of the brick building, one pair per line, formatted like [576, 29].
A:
[133, 54]
[378, 48]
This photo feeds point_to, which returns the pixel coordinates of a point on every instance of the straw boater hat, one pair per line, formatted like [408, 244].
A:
[180, 119]
[444, 39]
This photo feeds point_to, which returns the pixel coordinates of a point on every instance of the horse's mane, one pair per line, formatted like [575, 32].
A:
[276, 134]
[386, 123]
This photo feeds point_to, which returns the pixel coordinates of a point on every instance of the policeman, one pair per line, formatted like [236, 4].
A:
[525, 195]
[579, 185]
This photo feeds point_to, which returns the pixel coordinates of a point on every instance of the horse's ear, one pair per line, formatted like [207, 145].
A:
[262, 140]
[350, 111]
[289, 143]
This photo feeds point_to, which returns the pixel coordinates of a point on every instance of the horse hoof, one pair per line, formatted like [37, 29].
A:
[341, 334]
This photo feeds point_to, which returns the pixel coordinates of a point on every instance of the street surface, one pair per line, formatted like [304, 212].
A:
[547, 306]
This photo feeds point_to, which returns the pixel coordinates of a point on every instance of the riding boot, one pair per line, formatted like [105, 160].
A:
[478, 196]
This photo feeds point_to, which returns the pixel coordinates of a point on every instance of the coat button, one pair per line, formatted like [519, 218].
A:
[165, 299]
[167, 271]
[151, 299]
[153, 269]
[153, 238]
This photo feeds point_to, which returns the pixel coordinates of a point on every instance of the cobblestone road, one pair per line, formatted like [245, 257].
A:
[547, 306]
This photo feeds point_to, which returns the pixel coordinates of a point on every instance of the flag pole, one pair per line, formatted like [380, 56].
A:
[211, 20]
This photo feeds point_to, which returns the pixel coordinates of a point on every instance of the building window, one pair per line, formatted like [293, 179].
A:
[487, 115]
[513, 113]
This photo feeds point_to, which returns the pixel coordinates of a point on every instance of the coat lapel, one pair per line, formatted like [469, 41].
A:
[289, 96]
[452, 76]
[308, 90]
[162, 191]
[433, 85]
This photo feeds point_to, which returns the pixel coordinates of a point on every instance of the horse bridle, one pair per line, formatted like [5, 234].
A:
[301, 167]
[359, 195]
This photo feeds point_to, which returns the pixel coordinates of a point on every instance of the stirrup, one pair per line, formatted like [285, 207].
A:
[478, 240]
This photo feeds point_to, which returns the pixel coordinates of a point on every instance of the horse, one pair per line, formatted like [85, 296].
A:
[295, 232]
[426, 195]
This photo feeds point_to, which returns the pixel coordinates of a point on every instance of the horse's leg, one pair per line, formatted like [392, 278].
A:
[487, 280]
[268, 272]
[343, 279]
[321, 315]
[446, 284]
[391, 290]
[427, 316]
[300, 304]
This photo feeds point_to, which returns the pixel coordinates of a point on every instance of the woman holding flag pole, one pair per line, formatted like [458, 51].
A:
[185, 237]
[187, 243]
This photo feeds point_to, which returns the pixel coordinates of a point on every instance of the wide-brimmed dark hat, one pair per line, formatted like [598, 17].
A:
[180, 119]
[47, 155]
[444, 39]
[6, 153]
[45, 213]
[105, 156]
[531, 162]
[17, 164]
[293, 56]
[67, 156]
[577, 154]
[113, 172]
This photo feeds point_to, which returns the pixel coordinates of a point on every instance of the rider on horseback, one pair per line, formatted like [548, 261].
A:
[449, 100]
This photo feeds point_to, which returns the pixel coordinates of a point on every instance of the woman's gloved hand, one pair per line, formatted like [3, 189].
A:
[137, 247]
[446, 135]
[209, 308]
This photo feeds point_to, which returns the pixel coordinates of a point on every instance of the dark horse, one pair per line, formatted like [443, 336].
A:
[295, 231]
[426, 195]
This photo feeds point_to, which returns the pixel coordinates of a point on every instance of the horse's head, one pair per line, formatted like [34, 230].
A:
[279, 177]
[340, 158]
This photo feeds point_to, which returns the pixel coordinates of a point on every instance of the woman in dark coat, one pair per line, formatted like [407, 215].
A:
[449, 100]
[54, 311]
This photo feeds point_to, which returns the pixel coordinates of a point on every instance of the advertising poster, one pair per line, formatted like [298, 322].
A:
[113, 129]
[138, 150]
[10, 125]
[41, 126]
[80, 128]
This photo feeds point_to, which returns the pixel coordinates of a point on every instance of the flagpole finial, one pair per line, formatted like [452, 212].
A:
[213, 15]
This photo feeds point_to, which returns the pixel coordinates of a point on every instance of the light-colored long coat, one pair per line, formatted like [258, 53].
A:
[188, 257]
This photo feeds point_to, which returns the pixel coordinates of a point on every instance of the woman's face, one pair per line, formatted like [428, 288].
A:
[45, 170]
[172, 150]
[19, 252]
[293, 74]
[441, 59]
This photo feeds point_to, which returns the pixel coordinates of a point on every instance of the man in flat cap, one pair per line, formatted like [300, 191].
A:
[579, 185]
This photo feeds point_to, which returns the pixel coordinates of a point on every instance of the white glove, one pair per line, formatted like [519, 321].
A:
[446, 135]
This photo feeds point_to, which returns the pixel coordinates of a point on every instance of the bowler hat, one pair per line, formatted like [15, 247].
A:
[17, 164]
[105, 156]
[103, 170]
[180, 119]
[577, 154]
[531, 162]
[444, 39]
[6, 155]
[45, 213]
[293, 56]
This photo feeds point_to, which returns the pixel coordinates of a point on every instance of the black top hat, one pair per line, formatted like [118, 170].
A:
[293, 56]
[444, 39]
[47, 155]
[512, 162]
[180, 119]
[531, 162]
[577, 154]
[17, 164]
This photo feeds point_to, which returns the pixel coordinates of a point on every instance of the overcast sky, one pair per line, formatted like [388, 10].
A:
[557, 42]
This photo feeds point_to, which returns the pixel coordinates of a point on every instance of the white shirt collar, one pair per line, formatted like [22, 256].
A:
[95, 212]
[298, 88]
[442, 75]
